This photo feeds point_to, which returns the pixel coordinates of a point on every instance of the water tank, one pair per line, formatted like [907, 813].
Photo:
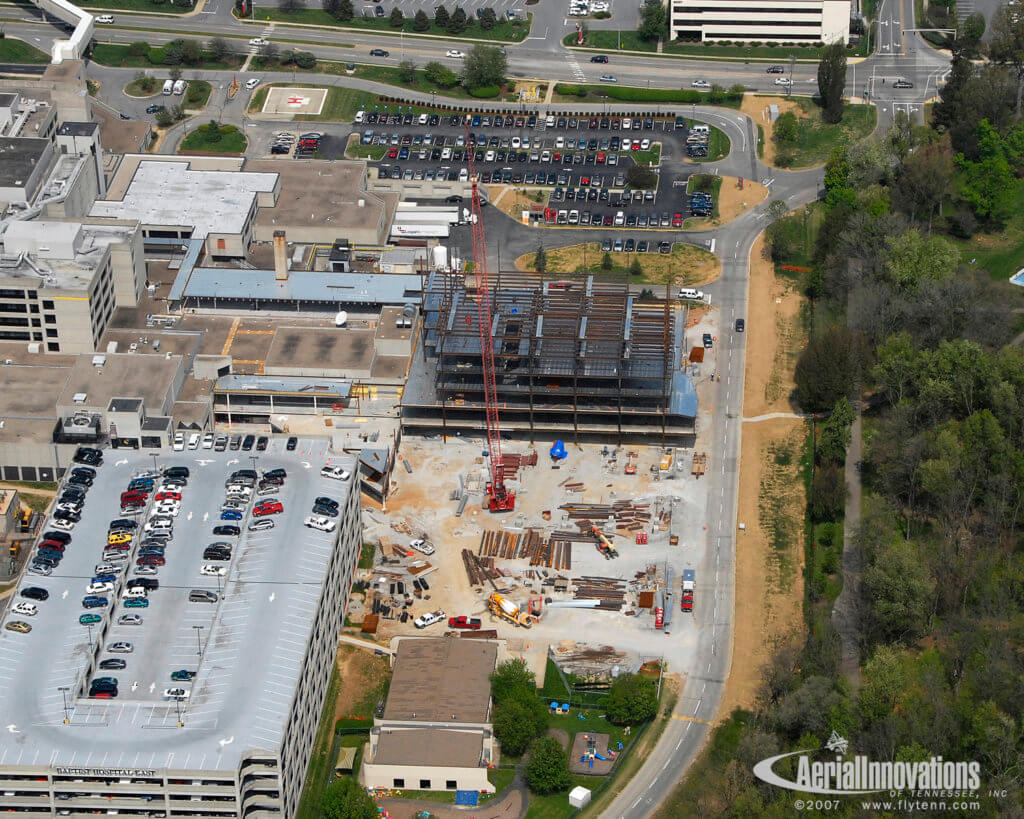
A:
[439, 257]
[341, 319]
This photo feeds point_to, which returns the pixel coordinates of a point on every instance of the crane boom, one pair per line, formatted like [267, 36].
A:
[499, 499]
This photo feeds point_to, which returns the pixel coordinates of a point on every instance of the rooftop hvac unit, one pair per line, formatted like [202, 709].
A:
[79, 397]
[99, 360]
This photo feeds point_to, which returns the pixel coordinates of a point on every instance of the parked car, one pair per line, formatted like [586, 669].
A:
[428, 619]
[464, 622]
[320, 523]
[421, 545]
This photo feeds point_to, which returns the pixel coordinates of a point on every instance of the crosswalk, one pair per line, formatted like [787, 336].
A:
[574, 67]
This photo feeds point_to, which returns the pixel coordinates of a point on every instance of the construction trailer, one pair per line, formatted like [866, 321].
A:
[580, 357]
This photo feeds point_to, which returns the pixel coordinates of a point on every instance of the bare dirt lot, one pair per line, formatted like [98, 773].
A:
[756, 107]
[686, 265]
[361, 672]
[769, 554]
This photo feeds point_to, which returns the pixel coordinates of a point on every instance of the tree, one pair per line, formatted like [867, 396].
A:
[407, 71]
[548, 768]
[1007, 43]
[191, 52]
[632, 699]
[172, 52]
[641, 177]
[518, 721]
[488, 20]
[835, 433]
[144, 81]
[441, 17]
[139, 48]
[606, 262]
[785, 130]
[483, 66]
[440, 74]
[912, 258]
[831, 81]
[164, 118]
[540, 260]
[174, 73]
[397, 19]
[923, 181]
[421, 22]
[458, 22]
[988, 185]
[900, 590]
[330, 6]
[345, 11]
[268, 53]
[828, 493]
[635, 268]
[829, 368]
[305, 59]
[287, 56]
[178, 112]
[290, 6]
[347, 799]
[218, 48]
[972, 29]
[653, 21]
[511, 679]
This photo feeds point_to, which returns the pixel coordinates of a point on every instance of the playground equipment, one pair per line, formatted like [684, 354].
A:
[507, 610]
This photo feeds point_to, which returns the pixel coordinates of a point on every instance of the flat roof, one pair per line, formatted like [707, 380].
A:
[208, 201]
[442, 747]
[118, 136]
[321, 347]
[18, 159]
[233, 285]
[441, 679]
[327, 387]
[122, 375]
[30, 390]
[254, 641]
[77, 128]
[318, 194]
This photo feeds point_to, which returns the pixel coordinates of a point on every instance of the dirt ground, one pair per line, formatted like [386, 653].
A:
[360, 672]
[513, 201]
[732, 201]
[687, 265]
[769, 553]
[756, 107]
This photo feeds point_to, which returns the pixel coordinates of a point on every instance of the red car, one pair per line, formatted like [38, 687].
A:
[393, 153]
[117, 547]
[168, 496]
[686, 604]
[677, 220]
[133, 497]
[464, 622]
[600, 157]
[263, 509]
[150, 560]
[56, 545]
[635, 146]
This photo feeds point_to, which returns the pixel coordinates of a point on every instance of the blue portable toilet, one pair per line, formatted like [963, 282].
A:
[558, 451]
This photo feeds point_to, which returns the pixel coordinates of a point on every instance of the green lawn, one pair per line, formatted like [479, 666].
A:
[817, 139]
[225, 140]
[704, 182]
[119, 55]
[570, 92]
[197, 94]
[135, 89]
[159, 6]
[512, 31]
[321, 759]
[18, 51]
[393, 76]
[28, 486]
[1002, 253]
[612, 41]
[340, 106]
[367, 549]
[651, 157]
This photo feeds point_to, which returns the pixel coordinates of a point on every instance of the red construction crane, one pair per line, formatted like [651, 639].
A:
[499, 499]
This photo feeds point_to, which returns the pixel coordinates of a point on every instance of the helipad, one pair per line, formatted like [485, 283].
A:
[295, 101]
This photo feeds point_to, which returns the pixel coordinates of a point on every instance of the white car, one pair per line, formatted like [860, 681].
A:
[209, 570]
[24, 608]
[251, 83]
[179, 442]
[63, 524]
[99, 588]
[421, 545]
[170, 509]
[701, 84]
[106, 19]
[453, 52]
[259, 41]
[176, 693]
[261, 524]
[645, 145]
[145, 571]
[609, 78]
[320, 523]
[783, 81]
[238, 489]
[429, 619]
[335, 472]
[193, 440]
[208, 439]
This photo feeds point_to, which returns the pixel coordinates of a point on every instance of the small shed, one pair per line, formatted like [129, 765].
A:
[346, 761]
[579, 797]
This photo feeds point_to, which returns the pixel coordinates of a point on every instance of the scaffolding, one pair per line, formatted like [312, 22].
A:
[578, 357]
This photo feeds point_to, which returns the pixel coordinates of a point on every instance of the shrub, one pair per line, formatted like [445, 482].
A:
[485, 92]
[570, 90]
[632, 699]
[139, 49]
[440, 75]
[548, 768]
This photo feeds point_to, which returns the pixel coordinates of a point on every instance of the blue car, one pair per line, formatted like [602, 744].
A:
[92, 601]
[152, 550]
[89, 619]
[104, 578]
[231, 514]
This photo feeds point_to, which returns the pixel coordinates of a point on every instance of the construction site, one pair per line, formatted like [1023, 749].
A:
[581, 359]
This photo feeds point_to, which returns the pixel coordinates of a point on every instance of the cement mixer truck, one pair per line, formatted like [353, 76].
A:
[507, 610]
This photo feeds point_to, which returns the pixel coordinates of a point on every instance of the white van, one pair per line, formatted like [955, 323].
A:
[168, 86]
[549, 121]
[691, 294]
[105, 18]
[423, 119]
[179, 87]
[700, 129]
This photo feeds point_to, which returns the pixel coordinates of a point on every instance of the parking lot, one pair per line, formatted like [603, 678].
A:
[580, 164]
[259, 591]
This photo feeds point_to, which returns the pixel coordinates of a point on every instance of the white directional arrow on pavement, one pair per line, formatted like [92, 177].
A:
[227, 741]
[306, 464]
[204, 461]
[233, 461]
[13, 728]
[152, 687]
[190, 516]
[65, 595]
[135, 684]
[206, 515]
[272, 596]
[121, 462]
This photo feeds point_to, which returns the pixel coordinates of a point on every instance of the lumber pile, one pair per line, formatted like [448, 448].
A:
[512, 463]
[480, 570]
[611, 591]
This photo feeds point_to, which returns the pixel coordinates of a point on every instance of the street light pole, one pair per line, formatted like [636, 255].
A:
[64, 694]
[199, 639]
[177, 707]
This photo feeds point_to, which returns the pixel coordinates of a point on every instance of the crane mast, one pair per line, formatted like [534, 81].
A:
[499, 499]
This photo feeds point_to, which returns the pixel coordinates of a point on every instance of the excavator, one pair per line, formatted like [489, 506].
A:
[604, 546]
[507, 610]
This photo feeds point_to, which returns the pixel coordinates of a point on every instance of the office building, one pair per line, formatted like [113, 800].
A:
[786, 21]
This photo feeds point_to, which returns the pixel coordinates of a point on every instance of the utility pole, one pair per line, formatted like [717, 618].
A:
[64, 694]
[199, 639]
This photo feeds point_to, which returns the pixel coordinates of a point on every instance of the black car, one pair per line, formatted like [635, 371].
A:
[775, 69]
[248, 441]
[245, 473]
[261, 443]
[708, 341]
[155, 108]
[665, 247]
[60, 537]
[113, 664]
[378, 52]
[35, 593]
[599, 58]
[325, 501]
[217, 554]
[80, 480]
[292, 443]
[741, 325]
[88, 455]
[606, 245]
[147, 583]
[227, 530]
[84, 470]
[275, 474]
[123, 525]
[177, 472]
[326, 511]
[279, 149]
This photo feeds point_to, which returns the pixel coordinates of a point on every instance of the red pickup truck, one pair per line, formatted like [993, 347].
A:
[464, 622]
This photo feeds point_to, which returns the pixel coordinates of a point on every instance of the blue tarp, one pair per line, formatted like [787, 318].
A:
[558, 451]
[467, 797]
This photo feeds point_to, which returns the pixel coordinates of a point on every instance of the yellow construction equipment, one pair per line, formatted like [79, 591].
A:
[666, 462]
[604, 546]
[507, 610]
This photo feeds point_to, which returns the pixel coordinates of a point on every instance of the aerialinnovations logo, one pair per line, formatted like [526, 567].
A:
[849, 777]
